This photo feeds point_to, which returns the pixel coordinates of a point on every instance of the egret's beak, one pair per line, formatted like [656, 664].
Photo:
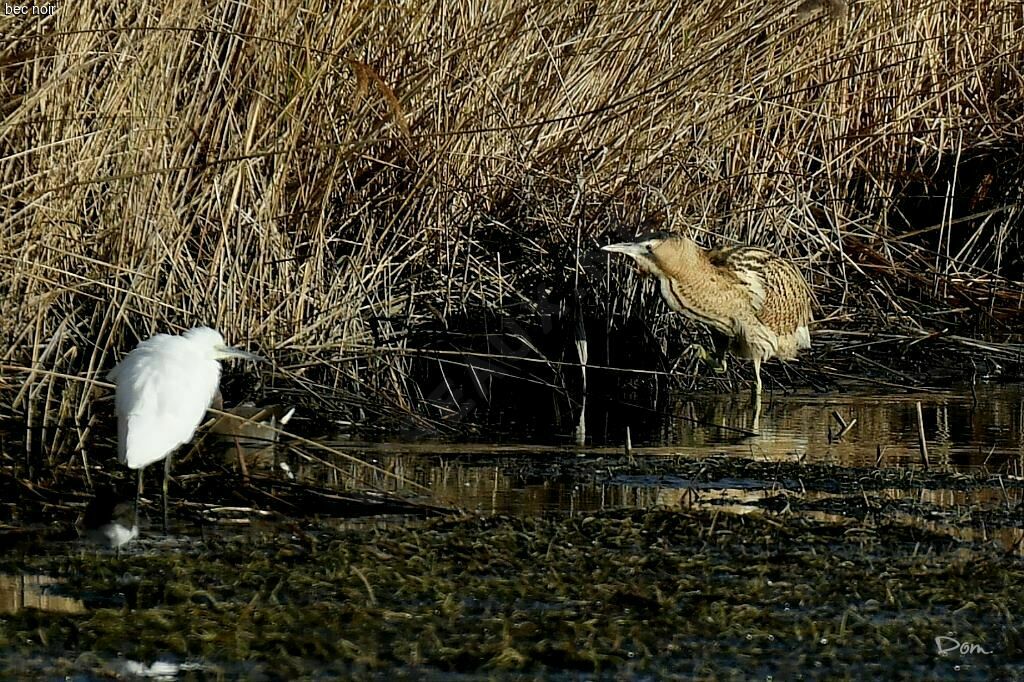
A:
[633, 249]
[227, 352]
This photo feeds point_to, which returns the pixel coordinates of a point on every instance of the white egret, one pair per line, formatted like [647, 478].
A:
[163, 389]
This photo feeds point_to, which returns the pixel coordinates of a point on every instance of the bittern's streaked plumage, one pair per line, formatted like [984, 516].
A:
[756, 303]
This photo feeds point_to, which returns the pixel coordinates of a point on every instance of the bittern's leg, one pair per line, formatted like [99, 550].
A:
[241, 461]
[757, 377]
[167, 477]
[755, 422]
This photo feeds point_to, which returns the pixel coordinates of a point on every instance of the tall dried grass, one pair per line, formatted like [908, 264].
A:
[321, 179]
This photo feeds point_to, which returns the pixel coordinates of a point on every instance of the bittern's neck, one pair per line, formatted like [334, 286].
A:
[682, 259]
[692, 285]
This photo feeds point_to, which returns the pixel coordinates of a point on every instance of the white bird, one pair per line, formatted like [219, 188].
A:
[163, 389]
[110, 522]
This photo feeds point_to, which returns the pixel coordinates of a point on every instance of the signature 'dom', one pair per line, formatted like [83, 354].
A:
[945, 645]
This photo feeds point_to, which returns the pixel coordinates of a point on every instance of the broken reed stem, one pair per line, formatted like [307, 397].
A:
[844, 426]
[922, 443]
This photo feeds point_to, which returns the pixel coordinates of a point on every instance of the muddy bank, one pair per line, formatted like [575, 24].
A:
[633, 592]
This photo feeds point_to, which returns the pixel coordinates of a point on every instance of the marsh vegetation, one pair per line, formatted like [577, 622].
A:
[401, 205]
[367, 193]
[686, 593]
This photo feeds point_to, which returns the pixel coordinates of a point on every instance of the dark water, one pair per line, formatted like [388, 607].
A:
[975, 434]
[961, 429]
[964, 432]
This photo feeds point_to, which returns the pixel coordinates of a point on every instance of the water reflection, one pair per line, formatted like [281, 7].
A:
[18, 592]
[963, 434]
[959, 431]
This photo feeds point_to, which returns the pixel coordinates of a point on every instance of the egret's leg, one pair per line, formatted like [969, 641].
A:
[138, 493]
[241, 461]
[167, 476]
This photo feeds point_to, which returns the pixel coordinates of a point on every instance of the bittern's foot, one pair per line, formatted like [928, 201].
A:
[714, 362]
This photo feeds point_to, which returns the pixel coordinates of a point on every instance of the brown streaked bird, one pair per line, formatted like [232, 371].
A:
[756, 303]
[249, 433]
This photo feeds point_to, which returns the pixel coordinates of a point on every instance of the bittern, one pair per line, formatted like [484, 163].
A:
[248, 432]
[756, 303]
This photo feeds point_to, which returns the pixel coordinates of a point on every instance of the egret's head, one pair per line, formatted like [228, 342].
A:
[651, 252]
[210, 340]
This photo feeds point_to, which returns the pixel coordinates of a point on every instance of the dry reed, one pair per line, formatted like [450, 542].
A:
[323, 181]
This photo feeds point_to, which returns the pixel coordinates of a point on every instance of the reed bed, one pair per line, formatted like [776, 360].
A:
[365, 191]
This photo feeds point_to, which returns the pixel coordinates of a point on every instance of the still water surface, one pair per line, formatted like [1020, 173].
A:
[965, 432]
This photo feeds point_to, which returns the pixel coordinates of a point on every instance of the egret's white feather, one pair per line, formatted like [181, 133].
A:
[163, 389]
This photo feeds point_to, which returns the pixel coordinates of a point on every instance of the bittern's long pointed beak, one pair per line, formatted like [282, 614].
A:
[629, 248]
[226, 352]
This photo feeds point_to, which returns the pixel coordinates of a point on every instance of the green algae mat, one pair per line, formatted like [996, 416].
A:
[614, 594]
